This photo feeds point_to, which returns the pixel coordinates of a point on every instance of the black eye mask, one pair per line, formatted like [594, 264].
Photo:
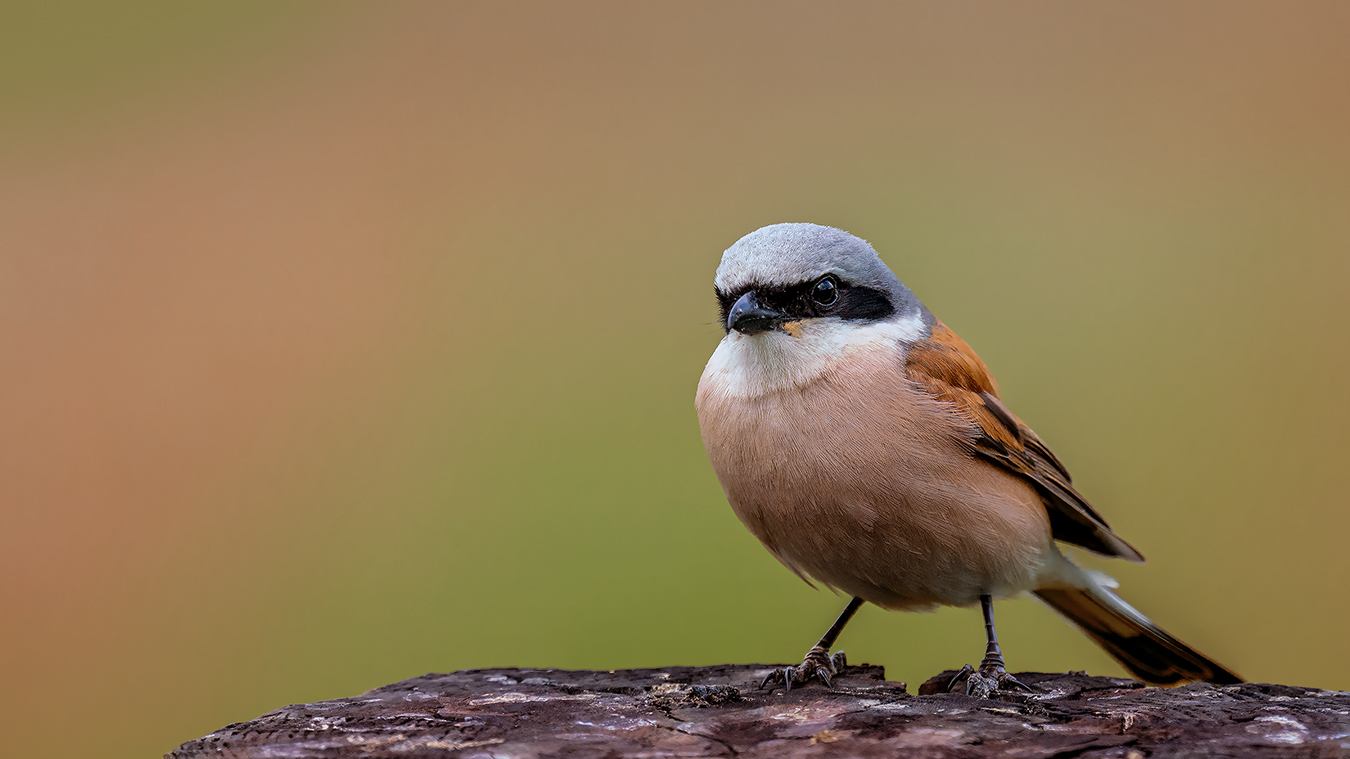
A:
[804, 300]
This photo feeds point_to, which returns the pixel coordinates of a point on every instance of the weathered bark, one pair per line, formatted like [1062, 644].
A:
[719, 711]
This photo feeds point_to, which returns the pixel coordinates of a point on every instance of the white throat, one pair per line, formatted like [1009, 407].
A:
[749, 366]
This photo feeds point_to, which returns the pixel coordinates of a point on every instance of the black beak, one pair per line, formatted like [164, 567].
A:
[748, 318]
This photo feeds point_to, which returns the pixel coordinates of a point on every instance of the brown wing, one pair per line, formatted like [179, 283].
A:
[947, 368]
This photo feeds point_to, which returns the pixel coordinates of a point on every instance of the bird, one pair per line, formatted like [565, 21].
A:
[867, 447]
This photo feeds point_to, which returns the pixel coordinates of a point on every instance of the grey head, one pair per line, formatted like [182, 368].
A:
[790, 272]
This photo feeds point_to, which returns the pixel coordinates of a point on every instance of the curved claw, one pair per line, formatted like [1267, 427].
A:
[788, 673]
[966, 671]
[824, 675]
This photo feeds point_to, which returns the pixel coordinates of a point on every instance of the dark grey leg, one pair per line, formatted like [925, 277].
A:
[818, 662]
[991, 676]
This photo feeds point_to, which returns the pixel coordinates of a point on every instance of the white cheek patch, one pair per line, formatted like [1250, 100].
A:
[747, 366]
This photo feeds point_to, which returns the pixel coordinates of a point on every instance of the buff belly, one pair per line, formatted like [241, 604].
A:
[856, 478]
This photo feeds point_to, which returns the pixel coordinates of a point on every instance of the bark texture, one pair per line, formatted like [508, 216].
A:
[719, 711]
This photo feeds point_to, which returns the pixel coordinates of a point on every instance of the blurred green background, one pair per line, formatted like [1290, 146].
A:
[341, 343]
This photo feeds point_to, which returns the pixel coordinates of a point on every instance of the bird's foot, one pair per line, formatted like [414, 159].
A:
[990, 680]
[818, 664]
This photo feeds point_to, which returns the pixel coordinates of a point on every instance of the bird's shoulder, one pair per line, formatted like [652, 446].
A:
[950, 371]
[947, 368]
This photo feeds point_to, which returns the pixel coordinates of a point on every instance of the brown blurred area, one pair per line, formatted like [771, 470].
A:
[343, 343]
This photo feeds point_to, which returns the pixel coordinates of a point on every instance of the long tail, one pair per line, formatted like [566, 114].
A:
[1131, 638]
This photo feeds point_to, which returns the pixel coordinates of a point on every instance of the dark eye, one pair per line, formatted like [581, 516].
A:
[825, 292]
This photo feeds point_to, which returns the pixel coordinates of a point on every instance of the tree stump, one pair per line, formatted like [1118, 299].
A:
[720, 711]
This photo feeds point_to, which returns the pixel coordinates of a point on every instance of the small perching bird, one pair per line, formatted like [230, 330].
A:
[865, 445]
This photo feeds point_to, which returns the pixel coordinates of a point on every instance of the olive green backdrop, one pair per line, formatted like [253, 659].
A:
[339, 344]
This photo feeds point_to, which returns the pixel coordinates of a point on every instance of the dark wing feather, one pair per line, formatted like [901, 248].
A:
[947, 368]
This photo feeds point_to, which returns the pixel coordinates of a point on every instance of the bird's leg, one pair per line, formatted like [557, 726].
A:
[818, 662]
[991, 676]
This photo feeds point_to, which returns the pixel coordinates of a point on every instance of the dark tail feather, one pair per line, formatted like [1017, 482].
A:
[1141, 646]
